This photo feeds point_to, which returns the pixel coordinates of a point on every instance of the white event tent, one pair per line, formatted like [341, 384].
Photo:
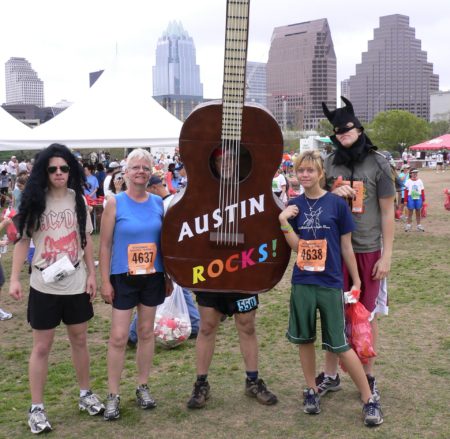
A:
[116, 112]
[11, 129]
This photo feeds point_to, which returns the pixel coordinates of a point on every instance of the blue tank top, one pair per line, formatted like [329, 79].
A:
[136, 223]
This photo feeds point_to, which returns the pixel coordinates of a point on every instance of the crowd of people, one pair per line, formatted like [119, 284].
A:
[343, 242]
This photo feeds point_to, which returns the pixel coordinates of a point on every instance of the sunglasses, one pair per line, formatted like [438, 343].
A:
[342, 130]
[64, 169]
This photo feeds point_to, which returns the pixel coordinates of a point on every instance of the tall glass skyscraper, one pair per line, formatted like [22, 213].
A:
[176, 76]
[394, 73]
[301, 73]
[256, 82]
[22, 83]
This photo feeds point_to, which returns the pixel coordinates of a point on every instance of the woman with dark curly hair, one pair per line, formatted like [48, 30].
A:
[53, 213]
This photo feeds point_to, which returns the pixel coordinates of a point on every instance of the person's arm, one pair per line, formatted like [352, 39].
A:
[19, 257]
[350, 261]
[289, 233]
[383, 266]
[106, 235]
[91, 283]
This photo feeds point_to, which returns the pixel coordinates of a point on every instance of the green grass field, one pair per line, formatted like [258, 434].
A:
[413, 366]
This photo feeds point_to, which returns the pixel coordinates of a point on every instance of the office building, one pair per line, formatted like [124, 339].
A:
[440, 106]
[345, 89]
[256, 82]
[176, 76]
[23, 85]
[394, 73]
[301, 73]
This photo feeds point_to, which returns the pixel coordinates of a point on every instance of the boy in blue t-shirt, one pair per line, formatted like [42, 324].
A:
[318, 225]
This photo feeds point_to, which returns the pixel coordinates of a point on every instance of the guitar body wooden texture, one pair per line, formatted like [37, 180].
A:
[191, 253]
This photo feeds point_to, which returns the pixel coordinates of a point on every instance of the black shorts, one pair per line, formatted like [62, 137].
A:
[2, 276]
[46, 311]
[130, 291]
[228, 303]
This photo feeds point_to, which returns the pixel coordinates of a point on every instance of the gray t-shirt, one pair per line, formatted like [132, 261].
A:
[376, 175]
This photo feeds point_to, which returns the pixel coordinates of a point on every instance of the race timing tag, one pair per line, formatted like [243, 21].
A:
[141, 258]
[312, 255]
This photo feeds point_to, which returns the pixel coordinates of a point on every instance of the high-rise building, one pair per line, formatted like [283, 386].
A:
[176, 76]
[345, 88]
[301, 73]
[394, 73]
[256, 82]
[440, 106]
[22, 83]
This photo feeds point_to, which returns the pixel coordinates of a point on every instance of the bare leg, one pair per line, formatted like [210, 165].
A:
[245, 325]
[206, 339]
[146, 342]
[356, 372]
[80, 353]
[118, 338]
[38, 365]
[308, 361]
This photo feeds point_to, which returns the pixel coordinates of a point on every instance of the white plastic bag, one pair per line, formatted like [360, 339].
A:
[172, 322]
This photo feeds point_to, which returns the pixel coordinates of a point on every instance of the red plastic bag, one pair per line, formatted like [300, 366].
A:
[398, 214]
[423, 211]
[359, 331]
[11, 230]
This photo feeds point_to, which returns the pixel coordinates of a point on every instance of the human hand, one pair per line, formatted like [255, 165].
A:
[290, 212]
[107, 292]
[381, 268]
[15, 290]
[91, 286]
[169, 285]
[352, 296]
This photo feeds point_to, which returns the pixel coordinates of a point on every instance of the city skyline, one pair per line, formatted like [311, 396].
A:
[64, 42]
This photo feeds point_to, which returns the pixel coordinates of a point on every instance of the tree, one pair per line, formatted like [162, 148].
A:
[324, 128]
[392, 130]
[439, 128]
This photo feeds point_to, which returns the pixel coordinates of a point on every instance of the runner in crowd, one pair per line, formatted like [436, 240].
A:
[132, 276]
[62, 282]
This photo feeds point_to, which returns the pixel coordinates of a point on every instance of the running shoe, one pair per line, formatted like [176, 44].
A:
[143, 397]
[38, 422]
[91, 403]
[258, 389]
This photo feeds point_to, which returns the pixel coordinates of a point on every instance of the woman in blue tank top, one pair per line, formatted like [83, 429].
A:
[132, 275]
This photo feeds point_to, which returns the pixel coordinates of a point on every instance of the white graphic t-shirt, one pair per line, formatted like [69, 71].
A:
[58, 236]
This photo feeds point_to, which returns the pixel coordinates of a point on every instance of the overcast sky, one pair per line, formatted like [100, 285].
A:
[64, 40]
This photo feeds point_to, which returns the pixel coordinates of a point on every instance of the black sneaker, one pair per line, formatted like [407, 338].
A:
[373, 387]
[258, 389]
[143, 397]
[311, 402]
[372, 413]
[200, 394]
[327, 384]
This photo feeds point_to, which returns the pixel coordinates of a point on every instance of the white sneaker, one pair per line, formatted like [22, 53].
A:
[5, 315]
[420, 228]
[408, 227]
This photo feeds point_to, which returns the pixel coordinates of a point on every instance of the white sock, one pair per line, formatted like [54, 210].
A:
[39, 406]
[333, 377]
[83, 392]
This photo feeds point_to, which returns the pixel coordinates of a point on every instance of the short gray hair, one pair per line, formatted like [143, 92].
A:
[139, 154]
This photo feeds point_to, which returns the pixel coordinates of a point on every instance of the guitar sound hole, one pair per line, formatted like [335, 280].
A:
[224, 163]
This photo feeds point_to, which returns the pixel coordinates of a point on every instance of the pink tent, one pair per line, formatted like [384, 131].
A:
[439, 143]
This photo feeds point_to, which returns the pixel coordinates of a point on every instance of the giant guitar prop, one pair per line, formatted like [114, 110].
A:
[223, 233]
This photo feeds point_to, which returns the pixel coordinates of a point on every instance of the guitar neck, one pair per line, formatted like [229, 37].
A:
[236, 39]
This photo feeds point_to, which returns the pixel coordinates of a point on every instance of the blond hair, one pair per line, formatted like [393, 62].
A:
[313, 157]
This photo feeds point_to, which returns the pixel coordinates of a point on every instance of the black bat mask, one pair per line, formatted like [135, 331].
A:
[343, 119]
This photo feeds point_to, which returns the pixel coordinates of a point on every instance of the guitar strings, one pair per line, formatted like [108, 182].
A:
[233, 102]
